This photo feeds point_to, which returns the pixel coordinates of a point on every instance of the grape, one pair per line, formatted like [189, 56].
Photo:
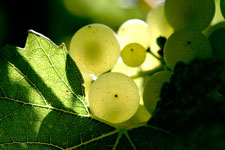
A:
[150, 63]
[134, 31]
[133, 54]
[152, 89]
[114, 97]
[140, 117]
[194, 14]
[186, 45]
[222, 7]
[217, 40]
[121, 67]
[211, 29]
[157, 27]
[95, 48]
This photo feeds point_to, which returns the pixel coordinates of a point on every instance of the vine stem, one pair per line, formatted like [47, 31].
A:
[149, 72]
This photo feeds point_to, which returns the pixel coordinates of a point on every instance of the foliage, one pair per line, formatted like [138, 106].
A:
[42, 105]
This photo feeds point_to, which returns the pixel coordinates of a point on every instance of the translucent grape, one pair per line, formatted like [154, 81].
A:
[134, 31]
[184, 46]
[121, 67]
[222, 7]
[217, 40]
[150, 63]
[140, 117]
[152, 89]
[114, 97]
[133, 54]
[95, 48]
[194, 14]
[157, 26]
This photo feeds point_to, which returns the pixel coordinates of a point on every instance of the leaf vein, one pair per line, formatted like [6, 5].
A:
[94, 139]
[60, 75]
[43, 106]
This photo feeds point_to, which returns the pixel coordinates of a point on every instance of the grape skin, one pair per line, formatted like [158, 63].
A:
[152, 89]
[114, 97]
[134, 31]
[133, 54]
[192, 14]
[157, 26]
[95, 48]
[186, 45]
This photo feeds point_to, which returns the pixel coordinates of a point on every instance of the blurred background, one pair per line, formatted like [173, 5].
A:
[60, 19]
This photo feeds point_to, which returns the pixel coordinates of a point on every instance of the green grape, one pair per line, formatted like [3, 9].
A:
[121, 67]
[222, 7]
[134, 31]
[150, 63]
[95, 48]
[133, 54]
[211, 29]
[139, 118]
[152, 89]
[193, 14]
[186, 45]
[157, 27]
[113, 97]
[217, 40]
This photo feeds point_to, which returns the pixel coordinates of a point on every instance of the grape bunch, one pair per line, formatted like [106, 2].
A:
[124, 72]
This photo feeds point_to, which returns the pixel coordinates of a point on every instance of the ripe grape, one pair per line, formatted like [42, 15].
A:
[186, 45]
[133, 54]
[152, 89]
[134, 31]
[222, 7]
[95, 48]
[217, 40]
[114, 97]
[194, 14]
[157, 27]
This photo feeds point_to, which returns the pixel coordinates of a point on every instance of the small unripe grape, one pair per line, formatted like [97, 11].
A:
[152, 89]
[114, 97]
[134, 31]
[95, 48]
[133, 54]
[192, 14]
[186, 45]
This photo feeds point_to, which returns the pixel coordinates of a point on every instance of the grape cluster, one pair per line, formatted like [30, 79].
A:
[120, 90]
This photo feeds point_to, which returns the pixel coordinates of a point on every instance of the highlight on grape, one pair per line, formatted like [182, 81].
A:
[175, 31]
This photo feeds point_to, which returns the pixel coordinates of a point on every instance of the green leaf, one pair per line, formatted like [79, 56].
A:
[42, 105]
[42, 101]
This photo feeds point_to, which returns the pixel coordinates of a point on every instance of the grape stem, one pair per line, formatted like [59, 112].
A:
[159, 58]
[149, 72]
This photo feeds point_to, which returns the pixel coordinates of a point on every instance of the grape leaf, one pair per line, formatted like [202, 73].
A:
[42, 105]
[42, 101]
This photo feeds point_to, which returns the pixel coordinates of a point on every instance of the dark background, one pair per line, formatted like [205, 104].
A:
[52, 19]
